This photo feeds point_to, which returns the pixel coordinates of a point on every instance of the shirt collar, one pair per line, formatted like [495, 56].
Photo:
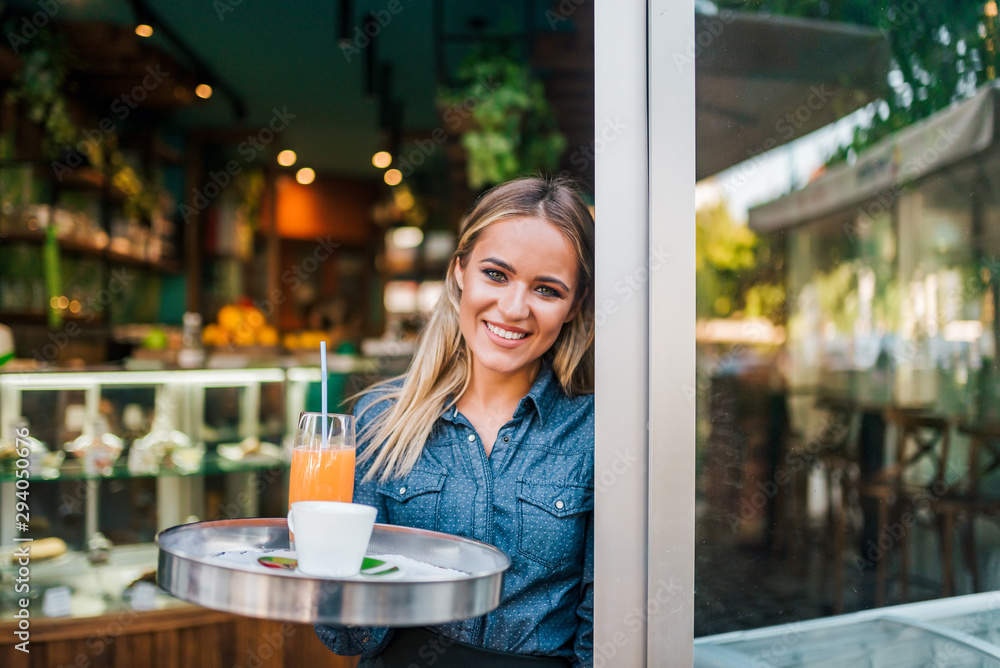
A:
[542, 395]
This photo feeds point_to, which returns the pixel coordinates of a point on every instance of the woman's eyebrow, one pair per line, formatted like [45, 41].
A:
[503, 264]
[552, 279]
[506, 266]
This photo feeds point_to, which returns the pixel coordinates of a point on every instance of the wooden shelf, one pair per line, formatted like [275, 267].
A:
[42, 317]
[72, 245]
[78, 247]
[32, 237]
[165, 266]
[68, 244]
[83, 178]
[88, 178]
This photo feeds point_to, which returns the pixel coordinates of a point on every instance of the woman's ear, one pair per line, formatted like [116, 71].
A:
[459, 274]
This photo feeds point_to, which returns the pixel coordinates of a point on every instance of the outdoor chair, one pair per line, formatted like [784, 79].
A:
[973, 497]
[835, 455]
[914, 480]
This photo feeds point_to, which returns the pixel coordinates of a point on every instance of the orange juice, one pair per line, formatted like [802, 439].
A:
[321, 474]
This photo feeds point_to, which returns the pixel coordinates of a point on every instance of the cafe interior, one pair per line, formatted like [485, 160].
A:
[194, 195]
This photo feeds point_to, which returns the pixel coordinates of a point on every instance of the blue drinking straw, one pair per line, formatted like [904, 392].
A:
[322, 367]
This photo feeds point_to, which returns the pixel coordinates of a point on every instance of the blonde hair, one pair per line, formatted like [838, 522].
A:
[439, 373]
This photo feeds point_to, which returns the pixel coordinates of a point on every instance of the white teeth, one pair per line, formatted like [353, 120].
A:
[505, 334]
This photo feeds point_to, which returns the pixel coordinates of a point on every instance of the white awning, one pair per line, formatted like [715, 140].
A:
[907, 156]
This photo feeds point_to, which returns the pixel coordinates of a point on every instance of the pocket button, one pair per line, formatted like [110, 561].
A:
[402, 490]
[560, 504]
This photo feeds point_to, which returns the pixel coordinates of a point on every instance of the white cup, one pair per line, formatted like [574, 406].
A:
[330, 536]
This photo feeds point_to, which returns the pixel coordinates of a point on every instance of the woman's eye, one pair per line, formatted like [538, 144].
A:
[547, 291]
[494, 274]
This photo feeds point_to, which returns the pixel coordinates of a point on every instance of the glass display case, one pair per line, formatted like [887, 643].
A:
[117, 456]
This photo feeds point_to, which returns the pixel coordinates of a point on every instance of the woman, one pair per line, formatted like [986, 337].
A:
[490, 435]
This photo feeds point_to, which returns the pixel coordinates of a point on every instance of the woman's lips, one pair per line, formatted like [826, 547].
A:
[502, 340]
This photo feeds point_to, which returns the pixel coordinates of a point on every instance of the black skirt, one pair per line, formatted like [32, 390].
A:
[419, 648]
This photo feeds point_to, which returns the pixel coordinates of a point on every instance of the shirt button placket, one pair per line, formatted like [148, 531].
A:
[472, 438]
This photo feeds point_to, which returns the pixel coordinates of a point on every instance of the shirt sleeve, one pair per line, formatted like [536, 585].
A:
[583, 644]
[364, 640]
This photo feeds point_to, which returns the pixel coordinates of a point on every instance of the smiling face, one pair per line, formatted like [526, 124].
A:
[519, 286]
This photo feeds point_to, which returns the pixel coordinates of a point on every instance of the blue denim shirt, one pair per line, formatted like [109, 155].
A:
[532, 497]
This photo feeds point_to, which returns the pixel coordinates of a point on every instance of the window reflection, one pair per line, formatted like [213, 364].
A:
[849, 441]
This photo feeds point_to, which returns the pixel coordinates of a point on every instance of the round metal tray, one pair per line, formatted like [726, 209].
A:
[187, 571]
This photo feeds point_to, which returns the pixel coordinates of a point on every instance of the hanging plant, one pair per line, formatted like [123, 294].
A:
[39, 85]
[511, 129]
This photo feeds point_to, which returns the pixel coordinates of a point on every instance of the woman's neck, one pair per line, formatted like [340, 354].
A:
[488, 389]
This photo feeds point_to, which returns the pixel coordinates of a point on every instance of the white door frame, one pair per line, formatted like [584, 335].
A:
[645, 295]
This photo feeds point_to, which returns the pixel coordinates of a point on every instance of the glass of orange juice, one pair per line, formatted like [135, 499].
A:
[322, 461]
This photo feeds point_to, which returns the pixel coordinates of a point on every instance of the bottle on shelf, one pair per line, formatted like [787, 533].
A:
[191, 354]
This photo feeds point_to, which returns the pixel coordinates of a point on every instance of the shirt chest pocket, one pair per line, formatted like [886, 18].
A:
[415, 500]
[552, 521]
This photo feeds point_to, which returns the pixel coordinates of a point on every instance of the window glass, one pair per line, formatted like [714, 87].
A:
[848, 256]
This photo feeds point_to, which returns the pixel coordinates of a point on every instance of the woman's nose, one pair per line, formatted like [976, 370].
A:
[514, 304]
